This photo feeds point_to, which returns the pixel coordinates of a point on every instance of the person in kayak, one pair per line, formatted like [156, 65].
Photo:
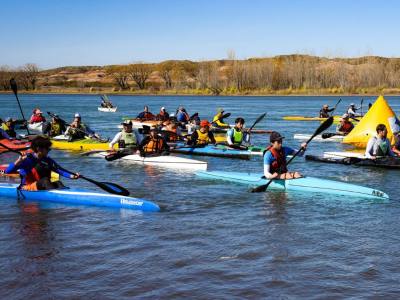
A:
[8, 126]
[145, 115]
[35, 168]
[379, 145]
[170, 131]
[4, 134]
[325, 110]
[78, 130]
[351, 111]
[218, 119]
[126, 139]
[237, 135]
[55, 127]
[153, 144]
[396, 145]
[37, 117]
[182, 116]
[275, 158]
[203, 135]
[163, 115]
[345, 126]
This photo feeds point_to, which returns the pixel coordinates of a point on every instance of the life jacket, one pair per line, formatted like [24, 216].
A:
[55, 129]
[154, 146]
[148, 116]
[279, 164]
[37, 119]
[380, 147]
[78, 132]
[202, 138]
[172, 137]
[128, 139]
[323, 114]
[236, 136]
[396, 142]
[40, 170]
[219, 122]
[346, 127]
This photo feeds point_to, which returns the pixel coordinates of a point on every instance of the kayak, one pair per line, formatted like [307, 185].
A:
[384, 162]
[211, 150]
[36, 128]
[14, 144]
[80, 197]
[107, 109]
[54, 176]
[336, 119]
[304, 184]
[61, 142]
[165, 161]
[305, 137]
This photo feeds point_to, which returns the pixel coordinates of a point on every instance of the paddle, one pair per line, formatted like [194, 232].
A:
[14, 88]
[119, 154]
[334, 108]
[224, 116]
[325, 125]
[257, 121]
[328, 135]
[361, 106]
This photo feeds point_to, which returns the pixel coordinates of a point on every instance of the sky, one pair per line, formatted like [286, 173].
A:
[54, 33]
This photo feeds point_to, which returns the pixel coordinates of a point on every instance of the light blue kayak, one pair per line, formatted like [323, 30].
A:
[79, 196]
[211, 150]
[305, 184]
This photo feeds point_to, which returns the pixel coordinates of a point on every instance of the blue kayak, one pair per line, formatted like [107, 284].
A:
[304, 184]
[211, 150]
[79, 196]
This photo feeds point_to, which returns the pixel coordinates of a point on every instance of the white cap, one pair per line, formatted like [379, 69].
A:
[163, 108]
[77, 115]
[352, 104]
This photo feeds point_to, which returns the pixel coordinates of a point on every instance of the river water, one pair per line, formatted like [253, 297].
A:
[213, 240]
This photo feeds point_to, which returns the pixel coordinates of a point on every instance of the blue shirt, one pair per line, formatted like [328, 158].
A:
[181, 116]
[269, 158]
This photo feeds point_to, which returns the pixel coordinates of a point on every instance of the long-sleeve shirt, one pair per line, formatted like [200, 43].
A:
[374, 144]
[26, 166]
[352, 113]
[118, 136]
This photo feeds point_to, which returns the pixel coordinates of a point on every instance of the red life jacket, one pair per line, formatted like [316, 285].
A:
[40, 170]
[279, 165]
[347, 127]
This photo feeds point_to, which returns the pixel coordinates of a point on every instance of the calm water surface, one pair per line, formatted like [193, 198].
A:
[213, 240]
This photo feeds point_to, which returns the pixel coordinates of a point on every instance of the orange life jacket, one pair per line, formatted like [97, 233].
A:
[279, 165]
[346, 127]
[154, 146]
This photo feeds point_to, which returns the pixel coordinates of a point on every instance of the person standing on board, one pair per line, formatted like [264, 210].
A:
[275, 158]
[203, 135]
[351, 111]
[145, 115]
[379, 145]
[345, 126]
[35, 168]
[236, 135]
[325, 110]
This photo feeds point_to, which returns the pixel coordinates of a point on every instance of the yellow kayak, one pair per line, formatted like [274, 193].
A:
[79, 145]
[336, 119]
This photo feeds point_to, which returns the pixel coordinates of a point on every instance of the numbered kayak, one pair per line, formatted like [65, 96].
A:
[211, 150]
[385, 162]
[304, 184]
[78, 196]
[107, 109]
[14, 145]
[61, 142]
[305, 137]
[164, 161]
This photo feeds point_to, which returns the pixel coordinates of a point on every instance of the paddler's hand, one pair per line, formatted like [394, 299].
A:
[75, 176]
[304, 146]
[373, 157]
[20, 160]
[275, 175]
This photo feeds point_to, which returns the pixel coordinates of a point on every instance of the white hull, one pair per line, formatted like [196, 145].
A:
[305, 137]
[107, 109]
[165, 161]
[36, 128]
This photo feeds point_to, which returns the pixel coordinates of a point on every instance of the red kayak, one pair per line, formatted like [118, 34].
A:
[14, 145]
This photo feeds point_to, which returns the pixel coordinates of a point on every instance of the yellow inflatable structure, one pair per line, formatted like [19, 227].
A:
[379, 113]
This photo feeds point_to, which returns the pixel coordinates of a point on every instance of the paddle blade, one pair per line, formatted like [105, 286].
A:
[324, 126]
[260, 188]
[258, 120]
[14, 86]
[110, 187]
[327, 135]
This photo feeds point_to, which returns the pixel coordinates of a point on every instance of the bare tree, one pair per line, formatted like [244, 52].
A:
[120, 74]
[30, 72]
[140, 73]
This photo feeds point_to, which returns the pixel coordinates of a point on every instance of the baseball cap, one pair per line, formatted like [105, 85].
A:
[275, 136]
[352, 104]
[163, 108]
[127, 122]
[77, 115]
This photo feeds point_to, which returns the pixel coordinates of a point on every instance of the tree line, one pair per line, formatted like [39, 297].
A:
[233, 76]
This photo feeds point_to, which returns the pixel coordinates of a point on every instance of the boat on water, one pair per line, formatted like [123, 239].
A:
[107, 109]
[319, 138]
[304, 184]
[357, 160]
[61, 142]
[79, 197]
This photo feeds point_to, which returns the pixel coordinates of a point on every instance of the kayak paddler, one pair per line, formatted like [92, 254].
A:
[35, 168]
[237, 135]
[182, 116]
[37, 117]
[163, 115]
[379, 145]
[145, 115]
[170, 131]
[218, 121]
[127, 138]
[345, 126]
[396, 145]
[325, 110]
[78, 130]
[153, 144]
[56, 126]
[203, 135]
[275, 158]
[8, 128]
[351, 111]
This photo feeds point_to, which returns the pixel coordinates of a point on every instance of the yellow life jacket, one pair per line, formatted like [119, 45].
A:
[202, 138]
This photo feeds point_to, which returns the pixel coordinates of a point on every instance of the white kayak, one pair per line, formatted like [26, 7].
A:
[107, 109]
[165, 161]
[305, 137]
[36, 128]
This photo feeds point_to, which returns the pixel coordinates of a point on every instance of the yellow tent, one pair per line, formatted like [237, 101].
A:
[379, 113]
